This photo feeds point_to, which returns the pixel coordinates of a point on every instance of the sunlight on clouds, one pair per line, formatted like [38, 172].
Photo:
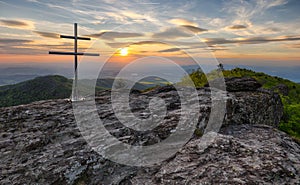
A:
[17, 24]
[181, 22]
[228, 29]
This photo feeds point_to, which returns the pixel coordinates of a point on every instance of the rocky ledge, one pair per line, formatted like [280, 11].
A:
[40, 143]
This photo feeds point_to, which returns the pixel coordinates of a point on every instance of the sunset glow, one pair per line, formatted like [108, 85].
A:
[244, 32]
[124, 51]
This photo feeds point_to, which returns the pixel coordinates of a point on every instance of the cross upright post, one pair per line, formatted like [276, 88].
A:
[75, 60]
[75, 53]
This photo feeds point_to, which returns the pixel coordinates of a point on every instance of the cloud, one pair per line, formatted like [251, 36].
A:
[63, 45]
[181, 22]
[172, 46]
[23, 46]
[19, 24]
[47, 34]
[247, 28]
[169, 50]
[147, 42]
[293, 46]
[178, 32]
[271, 30]
[19, 51]
[13, 23]
[214, 22]
[136, 16]
[13, 41]
[176, 44]
[194, 29]
[124, 44]
[251, 40]
[245, 10]
[110, 35]
[172, 33]
[214, 41]
[118, 44]
[12, 46]
[238, 26]
[240, 15]
[271, 3]
[257, 40]
[216, 48]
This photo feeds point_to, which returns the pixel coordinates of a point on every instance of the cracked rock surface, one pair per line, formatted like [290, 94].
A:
[40, 143]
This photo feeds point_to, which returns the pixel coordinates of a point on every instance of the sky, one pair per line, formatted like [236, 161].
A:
[244, 32]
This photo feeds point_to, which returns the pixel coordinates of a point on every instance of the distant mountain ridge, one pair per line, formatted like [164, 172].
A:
[40, 88]
[57, 87]
[14, 75]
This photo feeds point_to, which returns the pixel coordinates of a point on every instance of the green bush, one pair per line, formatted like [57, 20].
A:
[290, 122]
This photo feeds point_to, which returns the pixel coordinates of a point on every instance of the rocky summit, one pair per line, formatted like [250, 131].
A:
[42, 144]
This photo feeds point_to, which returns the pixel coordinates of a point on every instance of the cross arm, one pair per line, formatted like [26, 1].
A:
[72, 37]
[72, 53]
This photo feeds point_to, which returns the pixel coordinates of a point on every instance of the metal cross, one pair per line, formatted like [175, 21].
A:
[75, 53]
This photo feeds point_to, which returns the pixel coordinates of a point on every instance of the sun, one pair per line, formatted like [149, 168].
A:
[124, 51]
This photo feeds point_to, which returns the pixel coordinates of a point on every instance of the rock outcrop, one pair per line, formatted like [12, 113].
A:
[236, 84]
[40, 143]
[282, 88]
[245, 154]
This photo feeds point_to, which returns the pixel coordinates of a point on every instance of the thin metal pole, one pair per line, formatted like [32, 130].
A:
[76, 62]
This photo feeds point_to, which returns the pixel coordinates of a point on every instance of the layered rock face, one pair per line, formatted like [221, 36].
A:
[41, 143]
